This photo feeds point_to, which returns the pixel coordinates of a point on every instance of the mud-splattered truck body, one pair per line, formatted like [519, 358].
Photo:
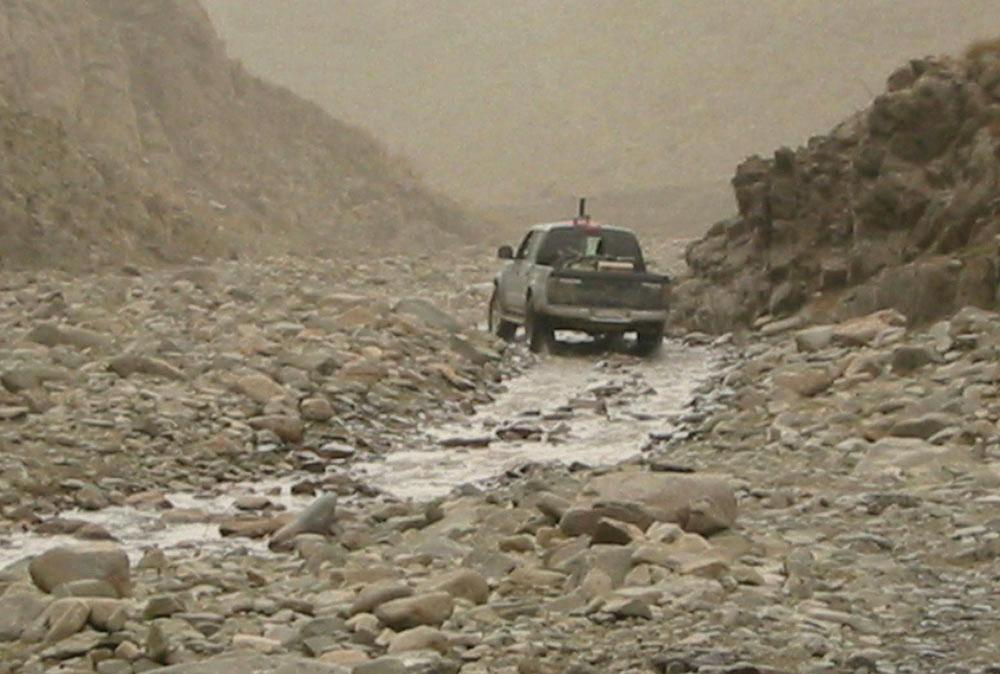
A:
[578, 275]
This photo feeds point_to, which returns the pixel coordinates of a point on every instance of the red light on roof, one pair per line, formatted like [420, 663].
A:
[586, 224]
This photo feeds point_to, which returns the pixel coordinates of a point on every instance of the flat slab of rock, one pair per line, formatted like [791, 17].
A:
[914, 459]
[701, 504]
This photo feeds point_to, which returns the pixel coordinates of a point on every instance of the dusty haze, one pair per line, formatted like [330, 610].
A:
[520, 102]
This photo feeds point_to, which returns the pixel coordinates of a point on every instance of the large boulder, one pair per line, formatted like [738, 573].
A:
[67, 564]
[701, 504]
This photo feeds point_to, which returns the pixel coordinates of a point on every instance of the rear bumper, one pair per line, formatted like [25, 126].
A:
[569, 317]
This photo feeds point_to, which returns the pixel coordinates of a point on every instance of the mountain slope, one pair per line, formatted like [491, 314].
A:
[188, 153]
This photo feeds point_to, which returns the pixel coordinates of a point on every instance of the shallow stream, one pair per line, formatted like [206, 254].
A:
[578, 405]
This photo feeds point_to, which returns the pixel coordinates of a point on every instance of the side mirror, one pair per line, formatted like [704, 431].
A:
[505, 253]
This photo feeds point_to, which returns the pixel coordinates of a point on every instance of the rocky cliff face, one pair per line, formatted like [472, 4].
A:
[898, 207]
[128, 131]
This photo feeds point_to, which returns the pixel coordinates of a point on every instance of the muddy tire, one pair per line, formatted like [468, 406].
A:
[505, 330]
[538, 330]
[649, 339]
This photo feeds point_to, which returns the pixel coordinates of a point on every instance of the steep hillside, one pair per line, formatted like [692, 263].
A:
[128, 130]
[898, 207]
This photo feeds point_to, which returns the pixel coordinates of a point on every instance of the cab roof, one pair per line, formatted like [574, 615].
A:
[591, 224]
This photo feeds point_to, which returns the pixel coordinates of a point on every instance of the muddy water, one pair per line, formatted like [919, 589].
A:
[578, 405]
[137, 529]
[572, 407]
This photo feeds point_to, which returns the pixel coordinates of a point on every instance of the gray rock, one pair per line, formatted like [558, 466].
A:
[806, 381]
[260, 388]
[74, 646]
[107, 615]
[924, 426]
[423, 609]
[815, 338]
[163, 606]
[386, 665]
[428, 313]
[419, 639]
[157, 646]
[626, 607]
[374, 596]
[101, 562]
[552, 506]
[335, 451]
[918, 460]
[126, 366]
[318, 518]
[19, 606]
[114, 666]
[465, 584]
[32, 377]
[288, 427]
[578, 521]
[49, 334]
[317, 409]
[62, 619]
[908, 358]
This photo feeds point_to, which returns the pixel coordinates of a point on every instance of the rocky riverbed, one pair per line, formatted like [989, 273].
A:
[825, 500]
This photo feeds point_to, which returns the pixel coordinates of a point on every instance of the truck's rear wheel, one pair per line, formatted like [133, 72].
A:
[538, 329]
[505, 330]
[649, 339]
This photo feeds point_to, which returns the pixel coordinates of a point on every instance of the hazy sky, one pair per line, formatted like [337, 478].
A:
[516, 99]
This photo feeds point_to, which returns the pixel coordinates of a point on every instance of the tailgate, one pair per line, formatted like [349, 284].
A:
[617, 290]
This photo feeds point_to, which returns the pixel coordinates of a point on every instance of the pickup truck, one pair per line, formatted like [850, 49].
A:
[578, 275]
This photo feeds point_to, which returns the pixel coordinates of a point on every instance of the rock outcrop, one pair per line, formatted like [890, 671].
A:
[898, 207]
[127, 132]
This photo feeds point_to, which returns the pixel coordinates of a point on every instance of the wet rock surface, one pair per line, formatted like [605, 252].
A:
[763, 525]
